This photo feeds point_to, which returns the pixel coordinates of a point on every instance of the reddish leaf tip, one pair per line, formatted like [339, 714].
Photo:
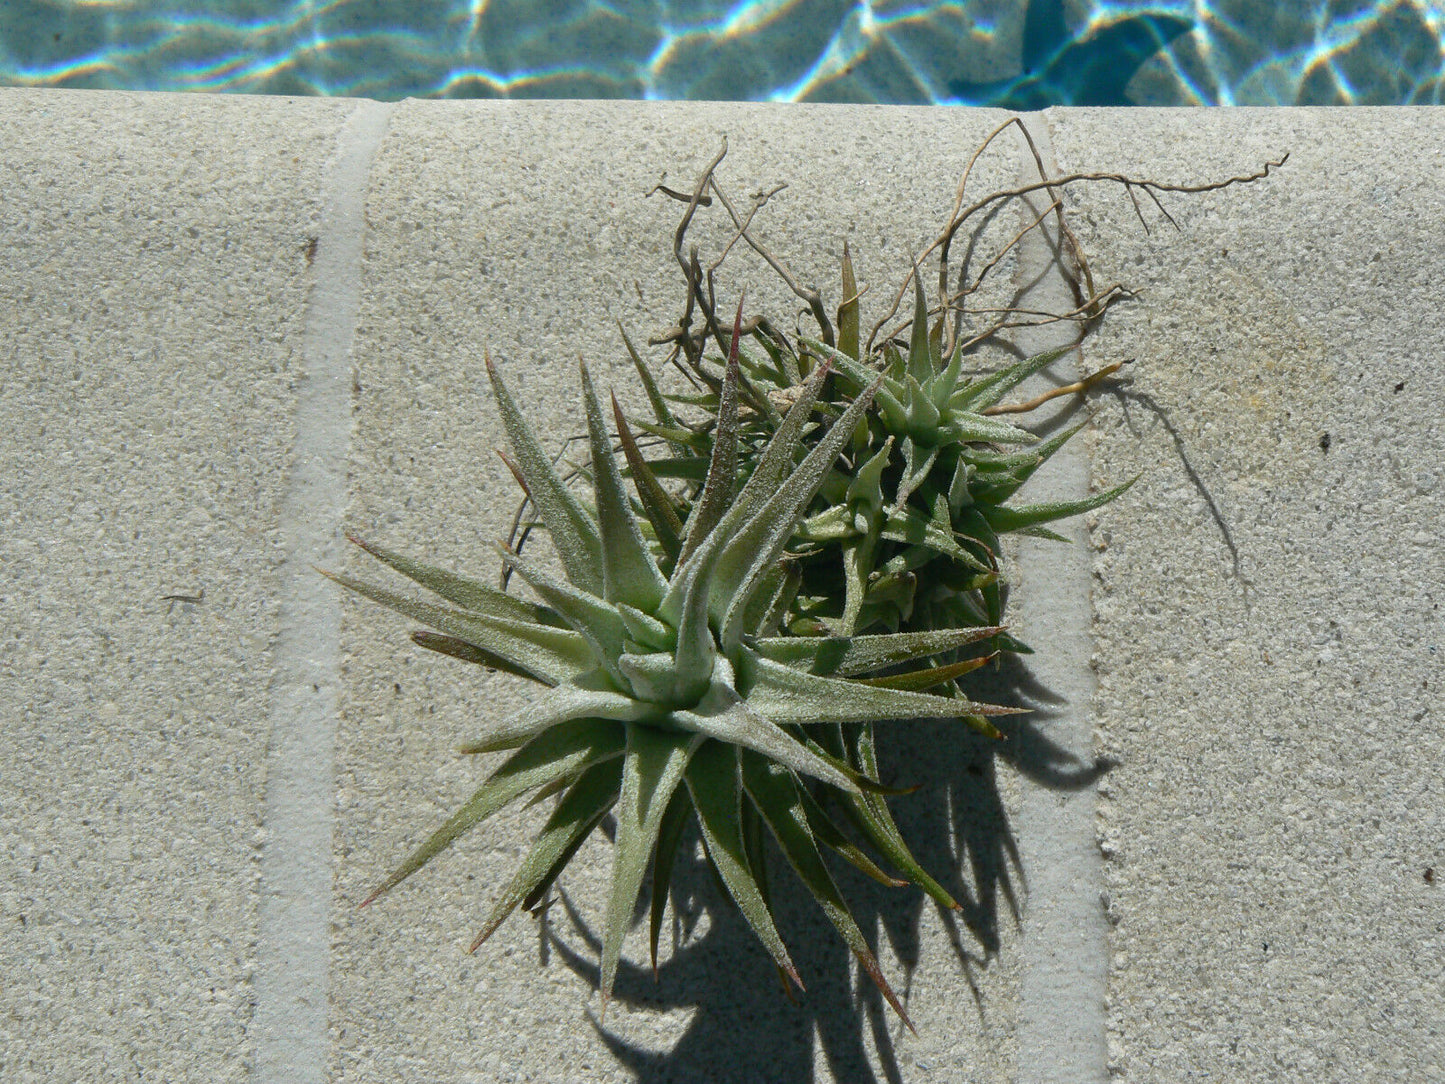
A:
[737, 331]
[870, 965]
[516, 470]
[376, 892]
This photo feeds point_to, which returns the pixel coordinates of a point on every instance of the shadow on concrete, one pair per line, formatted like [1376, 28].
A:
[1126, 397]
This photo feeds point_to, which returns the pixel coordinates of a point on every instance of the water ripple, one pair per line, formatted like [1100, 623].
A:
[984, 52]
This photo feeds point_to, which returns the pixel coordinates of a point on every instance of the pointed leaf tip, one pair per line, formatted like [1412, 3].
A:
[737, 330]
[870, 965]
[573, 529]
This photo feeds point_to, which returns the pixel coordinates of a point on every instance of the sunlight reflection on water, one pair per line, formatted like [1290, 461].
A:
[985, 52]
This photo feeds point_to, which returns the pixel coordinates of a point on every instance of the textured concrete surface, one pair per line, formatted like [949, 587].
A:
[1269, 631]
[152, 288]
[1266, 610]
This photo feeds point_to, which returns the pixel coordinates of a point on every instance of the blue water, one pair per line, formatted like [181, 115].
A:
[1018, 55]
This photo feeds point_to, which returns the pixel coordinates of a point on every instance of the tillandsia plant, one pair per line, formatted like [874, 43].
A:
[905, 532]
[670, 700]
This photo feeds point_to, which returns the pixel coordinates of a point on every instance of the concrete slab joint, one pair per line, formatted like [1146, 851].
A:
[294, 949]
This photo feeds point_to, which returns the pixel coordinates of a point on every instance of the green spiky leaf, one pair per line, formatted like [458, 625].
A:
[651, 770]
[566, 750]
[573, 529]
[585, 803]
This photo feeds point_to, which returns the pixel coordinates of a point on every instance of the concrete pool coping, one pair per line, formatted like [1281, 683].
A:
[234, 325]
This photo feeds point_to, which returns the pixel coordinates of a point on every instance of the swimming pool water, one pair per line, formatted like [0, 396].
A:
[1019, 55]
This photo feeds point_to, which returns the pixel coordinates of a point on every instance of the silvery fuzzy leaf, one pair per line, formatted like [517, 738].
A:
[832, 837]
[647, 630]
[552, 654]
[652, 768]
[923, 416]
[653, 677]
[849, 335]
[563, 751]
[918, 680]
[660, 408]
[585, 803]
[833, 524]
[466, 593]
[669, 836]
[791, 697]
[1020, 467]
[712, 781]
[959, 494]
[726, 717]
[722, 471]
[911, 526]
[775, 793]
[961, 427]
[573, 530]
[657, 503]
[778, 458]
[629, 573]
[1044, 533]
[590, 617]
[759, 542]
[916, 468]
[456, 648]
[870, 813]
[987, 391]
[587, 697]
[773, 609]
[844, 656]
[941, 388]
[690, 462]
[921, 366]
[1005, 519]
[865, 489]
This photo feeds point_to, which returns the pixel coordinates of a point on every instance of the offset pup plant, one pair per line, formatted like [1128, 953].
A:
[905, 532]
[718, 653]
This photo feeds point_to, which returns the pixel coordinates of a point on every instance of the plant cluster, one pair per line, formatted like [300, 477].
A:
[809, 546]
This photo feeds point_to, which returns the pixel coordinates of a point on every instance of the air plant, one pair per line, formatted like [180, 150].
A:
[671, 698]
[905, 533]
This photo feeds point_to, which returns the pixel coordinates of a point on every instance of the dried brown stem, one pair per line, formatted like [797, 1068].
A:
[808, 294]
[1103, 302]
[977, 266]
[759, 202]
[1070, 248]
[1068, 389]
